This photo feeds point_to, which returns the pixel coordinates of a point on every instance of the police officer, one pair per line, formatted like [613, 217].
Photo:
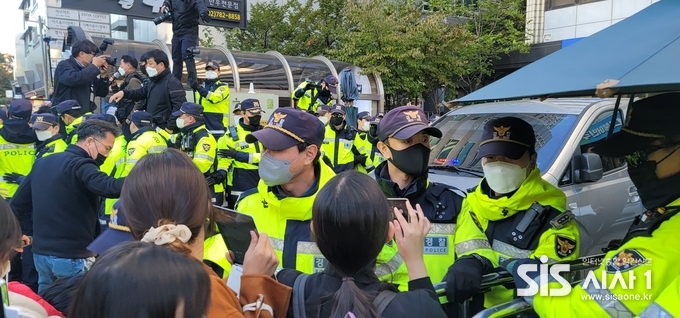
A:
[290, 176]
[71, 115]
[17, 145]
[509, 214]
[213, 95]
[46, 128]
[195, 140]
[238, 157]
[310, 95]
[343, 146]
[650, 251]
[144, 139]
[404, 140]
[324, 114]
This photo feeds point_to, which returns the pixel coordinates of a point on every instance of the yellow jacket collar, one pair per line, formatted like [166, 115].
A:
[533, 189]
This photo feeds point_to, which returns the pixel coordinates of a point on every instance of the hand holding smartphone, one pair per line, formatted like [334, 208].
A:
[235, 229]
[401, 205]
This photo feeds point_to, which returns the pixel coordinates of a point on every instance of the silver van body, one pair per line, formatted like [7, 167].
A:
[598, 190]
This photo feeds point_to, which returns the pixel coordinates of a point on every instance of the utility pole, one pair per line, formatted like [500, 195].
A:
[46, 66]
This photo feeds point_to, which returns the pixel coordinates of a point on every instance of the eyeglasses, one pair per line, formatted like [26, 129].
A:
[106, 148]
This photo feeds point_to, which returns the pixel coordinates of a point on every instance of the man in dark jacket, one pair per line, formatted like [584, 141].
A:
[165, 94]
[185, 14]
[79, 77]
[131, 80]
[63, 191]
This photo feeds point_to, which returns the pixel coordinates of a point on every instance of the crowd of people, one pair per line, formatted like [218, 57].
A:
[112, 214]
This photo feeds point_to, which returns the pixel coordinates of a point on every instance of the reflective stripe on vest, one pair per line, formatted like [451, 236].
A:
[15, 146]
[470, 245]
[442, 228]
[157, 149]
[203, 156]
[655, 311]
[607, 301]
[509, 250]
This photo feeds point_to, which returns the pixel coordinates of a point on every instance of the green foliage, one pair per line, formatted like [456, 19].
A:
[6, 75]
[207, 40]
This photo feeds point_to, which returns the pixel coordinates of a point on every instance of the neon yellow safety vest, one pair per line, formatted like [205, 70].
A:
[15, 158]
[203, 152]
[666, 305]
[306, 99]
[55, 146]
[243, 172]
[485, 226]
[651, 261]
[217, 101]
[71, 135]
[116, 158]
[341, 147]
[215, 250]
[141, 144]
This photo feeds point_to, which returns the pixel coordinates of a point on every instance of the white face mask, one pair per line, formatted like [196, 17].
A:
[180, 123]
[504, 177]
[121, 71]
[323, 119]
[366, 126]
[151, 71]
[43, 134]
[211, 75]
[237, 119]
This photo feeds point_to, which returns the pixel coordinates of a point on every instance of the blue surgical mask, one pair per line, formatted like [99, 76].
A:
[275, 172]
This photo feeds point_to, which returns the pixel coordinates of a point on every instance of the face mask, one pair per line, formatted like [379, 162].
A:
[5, 269]
[325, 93]
[336, 121]
[121, 71]
[43, 134]
[504, 177]
[323, 120]
[653, 192]
[237, 118]
[152, 72]
[255, 120]
[366, 126]
[100, 159]
[179, 122]
[412, 161]
[211, 75]
[275, 172]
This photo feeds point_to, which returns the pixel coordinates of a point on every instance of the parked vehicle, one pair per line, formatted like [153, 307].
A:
[598, 189]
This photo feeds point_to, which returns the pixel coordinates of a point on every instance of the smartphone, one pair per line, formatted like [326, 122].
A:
[400, 203]
[235, 229]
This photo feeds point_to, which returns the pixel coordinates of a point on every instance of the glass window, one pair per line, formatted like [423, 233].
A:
[556, 4]
[304, 68]
[463, 132]
[597, 132]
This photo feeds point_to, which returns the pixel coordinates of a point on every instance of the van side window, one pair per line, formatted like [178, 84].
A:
[597, 132]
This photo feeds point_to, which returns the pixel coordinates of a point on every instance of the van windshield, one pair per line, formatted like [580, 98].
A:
[462, 134]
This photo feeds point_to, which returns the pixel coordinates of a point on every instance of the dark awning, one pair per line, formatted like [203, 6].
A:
[640, 54]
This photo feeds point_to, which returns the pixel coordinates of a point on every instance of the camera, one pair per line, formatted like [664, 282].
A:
[102, 48]
[191, 51]
[166, 16]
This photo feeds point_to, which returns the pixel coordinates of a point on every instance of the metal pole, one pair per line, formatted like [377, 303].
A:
[46, 75]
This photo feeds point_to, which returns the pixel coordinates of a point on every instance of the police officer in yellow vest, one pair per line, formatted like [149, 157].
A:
[17, 145]
[144, 139]
[508, 215]
[46, 127]
[647, 257]
[404, 139]
[343, 146]
[238, 157]
[213, 95]
[323, 112]
[71, 115]
[291, 174]
[195, 140]
[310, 95]
[666, 305]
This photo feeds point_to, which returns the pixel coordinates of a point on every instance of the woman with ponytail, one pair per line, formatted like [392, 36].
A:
[351, 221]
[167, 202]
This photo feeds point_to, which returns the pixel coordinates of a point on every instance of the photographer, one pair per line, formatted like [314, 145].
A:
[165, 94]
[80, 76]
[310, 95]
[184, 15]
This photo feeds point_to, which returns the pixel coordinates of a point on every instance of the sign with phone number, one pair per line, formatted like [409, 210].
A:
[224, 15]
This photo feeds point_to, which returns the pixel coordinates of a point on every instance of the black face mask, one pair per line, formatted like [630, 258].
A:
[654, 192]
[100, 159]
[325, 93]
[254, 121]
[336, 121]
[412, 161]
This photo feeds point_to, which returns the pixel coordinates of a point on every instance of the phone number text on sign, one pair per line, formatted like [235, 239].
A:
[223, 15]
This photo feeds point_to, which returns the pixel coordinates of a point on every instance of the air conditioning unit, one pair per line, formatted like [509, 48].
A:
[27, 14]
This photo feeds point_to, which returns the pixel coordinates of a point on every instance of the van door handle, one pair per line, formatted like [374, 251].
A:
[633, 196]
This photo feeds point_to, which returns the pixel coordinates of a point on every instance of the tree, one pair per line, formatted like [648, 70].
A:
[412, 53]
[497, 27]
[6, 75]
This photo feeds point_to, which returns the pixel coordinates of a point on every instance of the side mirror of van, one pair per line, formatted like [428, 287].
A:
[590, 169]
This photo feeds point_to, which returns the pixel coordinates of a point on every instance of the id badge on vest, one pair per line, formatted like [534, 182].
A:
[320, 264]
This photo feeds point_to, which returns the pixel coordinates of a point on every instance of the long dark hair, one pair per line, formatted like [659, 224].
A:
[140, 280]
[351, 211]
[10, 232]
[166, 188]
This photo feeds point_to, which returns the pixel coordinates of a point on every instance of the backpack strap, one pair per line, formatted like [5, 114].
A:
[383, 300]
[299, 296]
